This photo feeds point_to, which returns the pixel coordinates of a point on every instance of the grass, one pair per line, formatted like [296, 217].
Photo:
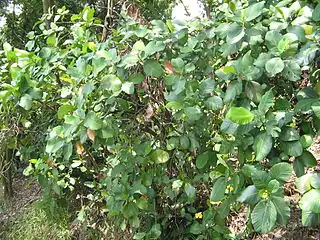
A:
[37, 222]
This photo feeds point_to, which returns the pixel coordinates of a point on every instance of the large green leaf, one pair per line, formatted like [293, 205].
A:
[264, 216]
[289, 134]
[307, 159]
[262, 145]
[130, 210]
[240, 115]
[315, 180]
[218, 189]
[214, 103]
[160, 156]
[253, 11]
[260, 178]
[249, 195]
[92, 121]
[190, 190]
[193, 113]
[64, 109]
[292, 71]
[111, 82]
[274, 66]
[303, 183]
[153, 47]
[310, 219]
[266, 102]
[311, 201]
[293, 148]
[316, 13]
[283, 209]
[233, 90]
[235, 33]
[26, 102]
[152, 68]
[281, 171]
[202, 160]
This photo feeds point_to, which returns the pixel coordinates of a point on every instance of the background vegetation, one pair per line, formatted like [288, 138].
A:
[165, 128]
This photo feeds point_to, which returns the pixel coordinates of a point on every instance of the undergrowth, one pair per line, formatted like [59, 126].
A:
[37, 222]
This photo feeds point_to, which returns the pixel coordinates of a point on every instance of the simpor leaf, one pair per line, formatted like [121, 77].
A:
[264, 216]
[274, 66]
[262, 145]
[160, 156]
[240, 115]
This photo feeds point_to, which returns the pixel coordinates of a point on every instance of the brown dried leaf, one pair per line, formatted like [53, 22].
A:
[79, 148]
[149, 113]
[168, 67]
[51, 164]
[91, 134]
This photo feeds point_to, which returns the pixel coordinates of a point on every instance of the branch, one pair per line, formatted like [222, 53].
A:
[185, 8]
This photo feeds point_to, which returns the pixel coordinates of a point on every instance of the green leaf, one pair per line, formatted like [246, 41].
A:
[233, 90]
[262, 145]
[316, 13]
[315, 180]
[92, 121]
[264, 216]
[128, 87]
[136, 78]
[190, 190]
[139, 236]
[214, 103]
[308, 159]
[130, 210]
[202, 160]
[174, 105]
[235, 33]
[196, 228]
[266, 102]
[160, 156]
[218, 189]
[249, 195]
[26, 102]
[283, 210]
[274, 66]
[88, 14]
[310, 219]
[154, 47]
[304, 105]
[311, 201]
[7, 47]
[177, 184]
[111, 82]
[292, 148]
[178, 64]
[64, 110]
[289, 134]
[193, 113]
[281, 171]
[260, 178]
[253, 11]
[292, 71]
[152, 68]
[240, 115]
[53, 145]
[298, 167]
[303, 183]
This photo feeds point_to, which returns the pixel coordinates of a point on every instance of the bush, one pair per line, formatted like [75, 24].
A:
[167, 127]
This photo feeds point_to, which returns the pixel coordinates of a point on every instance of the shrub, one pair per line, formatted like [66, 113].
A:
[170, 126]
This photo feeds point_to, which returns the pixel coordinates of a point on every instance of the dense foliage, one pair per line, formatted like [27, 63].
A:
[168, 127]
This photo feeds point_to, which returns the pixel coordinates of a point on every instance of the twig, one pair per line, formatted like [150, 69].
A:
[185, 8]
